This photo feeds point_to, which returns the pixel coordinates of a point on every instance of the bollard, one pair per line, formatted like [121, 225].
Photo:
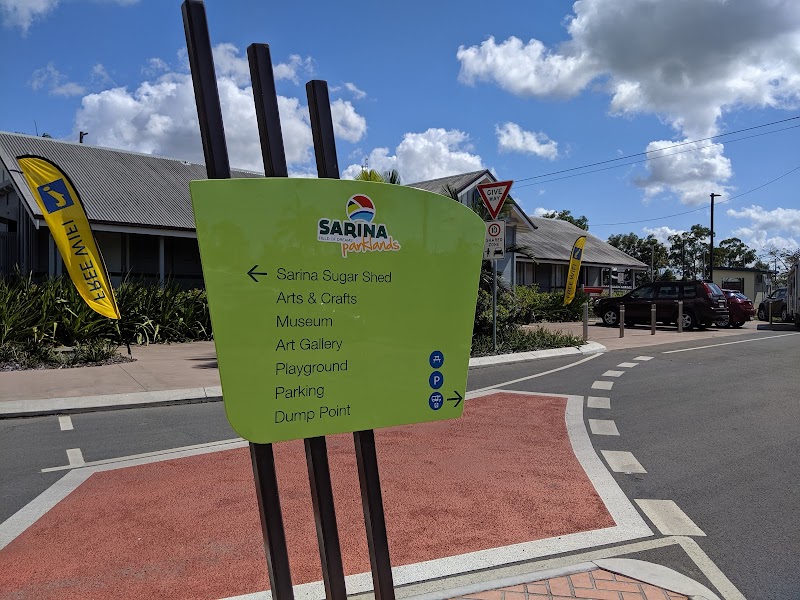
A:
[770, 313]
[652, 319]
[622, 320]
[585, 321]
[680, 316]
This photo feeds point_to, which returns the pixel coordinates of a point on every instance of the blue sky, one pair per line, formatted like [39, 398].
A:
[432, 89]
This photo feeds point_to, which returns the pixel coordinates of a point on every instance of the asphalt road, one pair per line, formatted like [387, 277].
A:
[716, 428]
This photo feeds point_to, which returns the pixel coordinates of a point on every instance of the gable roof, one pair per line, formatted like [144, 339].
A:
[464, 181]
[116, 187]
[553, 239]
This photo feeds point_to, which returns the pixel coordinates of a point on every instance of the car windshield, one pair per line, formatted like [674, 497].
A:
[714, 289]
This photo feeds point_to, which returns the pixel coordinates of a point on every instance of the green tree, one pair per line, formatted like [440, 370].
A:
[566, 215]
[734, 253]
[648, 250]
[688, 252]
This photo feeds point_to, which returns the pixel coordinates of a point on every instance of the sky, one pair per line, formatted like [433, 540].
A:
[630, 112]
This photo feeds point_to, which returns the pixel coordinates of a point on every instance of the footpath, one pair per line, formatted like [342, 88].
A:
[484, 507]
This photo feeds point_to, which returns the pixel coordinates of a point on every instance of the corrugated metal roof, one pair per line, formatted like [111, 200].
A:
[118, 187]
[459, 182]
[553, 241]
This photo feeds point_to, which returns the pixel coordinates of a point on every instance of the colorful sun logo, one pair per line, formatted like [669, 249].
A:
[360, 208]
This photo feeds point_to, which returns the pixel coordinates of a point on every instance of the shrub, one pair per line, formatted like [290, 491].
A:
[516, 339]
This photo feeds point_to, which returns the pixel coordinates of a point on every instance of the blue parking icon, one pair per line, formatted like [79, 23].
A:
[436, 380]
[436, 359]
[436, 401]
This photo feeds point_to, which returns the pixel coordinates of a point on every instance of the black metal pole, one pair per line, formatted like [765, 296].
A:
[212, 133]
[371, 501]
[330, 553]
[269, 133]
[267, 116]
[206, 94]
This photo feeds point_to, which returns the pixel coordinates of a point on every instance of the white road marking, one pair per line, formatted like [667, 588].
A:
[598, 402]
[65, 422]
[668, 518]
[166, 454]
[622, 462]
[602, 385]
[75, 458]
[627, 365]
[761, 339]
[643, 358]
[613, 374]
[505, 383]
[603, 427]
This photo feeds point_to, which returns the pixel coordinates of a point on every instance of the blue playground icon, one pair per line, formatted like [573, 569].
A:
[436, 401]
[436, 359]
[436, 380]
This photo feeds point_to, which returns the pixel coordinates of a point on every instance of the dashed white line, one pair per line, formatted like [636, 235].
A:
[602, 385]
[598, 402]
[75, 457]
[603, 427]
[65, 423]
[767, 337]
[643, 358]
[622, 462]
[613, 374]
[669, 518]
[627, 365]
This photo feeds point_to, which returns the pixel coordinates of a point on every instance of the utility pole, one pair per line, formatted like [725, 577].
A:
[652, 261]
[711, 242]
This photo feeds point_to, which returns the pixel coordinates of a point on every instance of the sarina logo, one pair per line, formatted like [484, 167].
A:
[359, 233]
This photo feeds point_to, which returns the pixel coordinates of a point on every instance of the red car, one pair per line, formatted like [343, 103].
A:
[740, 309]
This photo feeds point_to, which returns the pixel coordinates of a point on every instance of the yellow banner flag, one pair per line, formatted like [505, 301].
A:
[64, 215]
[574, 269]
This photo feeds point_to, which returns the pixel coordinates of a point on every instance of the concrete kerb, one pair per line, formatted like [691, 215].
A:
[33, 407]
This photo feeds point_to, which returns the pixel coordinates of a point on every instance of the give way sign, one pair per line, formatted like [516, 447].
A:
[493, 195]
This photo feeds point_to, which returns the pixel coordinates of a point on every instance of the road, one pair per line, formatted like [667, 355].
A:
[715, 425]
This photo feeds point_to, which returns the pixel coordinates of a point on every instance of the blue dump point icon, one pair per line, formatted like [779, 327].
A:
[436, 401]
[436, 359]
[436, 380]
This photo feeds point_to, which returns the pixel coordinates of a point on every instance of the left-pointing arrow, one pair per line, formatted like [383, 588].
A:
[252, 272]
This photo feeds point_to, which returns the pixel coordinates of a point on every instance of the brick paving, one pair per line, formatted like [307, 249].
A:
[589, 585]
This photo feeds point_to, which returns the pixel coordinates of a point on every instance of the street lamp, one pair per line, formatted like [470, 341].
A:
[711, 241]
[82, 134]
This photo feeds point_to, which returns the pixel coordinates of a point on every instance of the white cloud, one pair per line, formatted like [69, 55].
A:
[154, 67]
[347, 123]
[296, 65]
[357, 93]
[421, 156]
[686, 61]
[766, 226]
[540, 211]
[662, 233]
[100, 76]
[159, 117]
[22, 13]
[512, 138]
[55, 82]
[690, 175]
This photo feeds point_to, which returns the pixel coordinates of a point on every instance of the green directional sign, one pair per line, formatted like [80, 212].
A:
[337, 306]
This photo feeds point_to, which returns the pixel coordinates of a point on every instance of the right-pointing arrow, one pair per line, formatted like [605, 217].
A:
[458, 398]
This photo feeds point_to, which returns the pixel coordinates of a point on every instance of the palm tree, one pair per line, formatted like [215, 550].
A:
[391, 176]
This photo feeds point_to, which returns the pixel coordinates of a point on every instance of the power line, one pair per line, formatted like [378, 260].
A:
[636, 162]
[713, 137]
[686, 212]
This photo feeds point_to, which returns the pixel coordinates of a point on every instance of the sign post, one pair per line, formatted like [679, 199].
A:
[494, 195]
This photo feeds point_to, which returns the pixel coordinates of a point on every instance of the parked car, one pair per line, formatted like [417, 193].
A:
[777, 300]
[740, 309]
[703, 304]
